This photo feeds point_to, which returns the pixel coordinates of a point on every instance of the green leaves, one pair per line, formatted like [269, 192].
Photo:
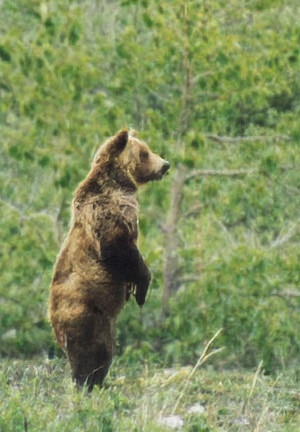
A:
[211, 85]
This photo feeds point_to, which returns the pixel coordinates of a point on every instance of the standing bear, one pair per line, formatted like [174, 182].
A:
[99, 264]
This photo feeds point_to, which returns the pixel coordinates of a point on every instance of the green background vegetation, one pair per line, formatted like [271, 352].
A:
[210, 85]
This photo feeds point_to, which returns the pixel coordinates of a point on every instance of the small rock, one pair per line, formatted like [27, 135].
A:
[196, 409]
[172, 421]
[242, 421]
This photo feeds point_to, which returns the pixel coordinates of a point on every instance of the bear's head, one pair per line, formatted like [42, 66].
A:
[125, 158]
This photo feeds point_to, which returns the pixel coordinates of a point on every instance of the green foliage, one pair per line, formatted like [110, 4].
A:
[73, 73]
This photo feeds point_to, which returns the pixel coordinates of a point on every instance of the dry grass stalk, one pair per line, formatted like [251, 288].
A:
[202, 359]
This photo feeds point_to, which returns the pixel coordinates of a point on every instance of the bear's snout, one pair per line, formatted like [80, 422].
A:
[165, 167]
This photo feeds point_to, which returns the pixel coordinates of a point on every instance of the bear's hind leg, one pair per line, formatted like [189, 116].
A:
[91, 368]
[90, 350]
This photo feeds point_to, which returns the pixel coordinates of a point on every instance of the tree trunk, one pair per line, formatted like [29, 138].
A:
[171, 265]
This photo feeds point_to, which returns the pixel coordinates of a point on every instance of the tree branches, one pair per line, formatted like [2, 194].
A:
[218, 173]
[237, 140]
[171, 271]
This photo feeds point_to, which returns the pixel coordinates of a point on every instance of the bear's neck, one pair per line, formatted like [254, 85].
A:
[92, 187]
[123, 182]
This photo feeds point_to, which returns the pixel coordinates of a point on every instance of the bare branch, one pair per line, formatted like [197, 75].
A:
[287, 293]
[283, 238]
[208, 95]
[12, 206]
[225, 230]
[188, 279]
[193, 211]
[236, 140]
[293, 189]
[201, 75]
[219, 173]
[53, 217]
[21, 211]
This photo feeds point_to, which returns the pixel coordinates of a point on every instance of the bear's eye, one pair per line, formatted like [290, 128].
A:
[144, 155]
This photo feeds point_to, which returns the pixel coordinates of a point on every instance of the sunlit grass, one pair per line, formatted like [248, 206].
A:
[38, 395]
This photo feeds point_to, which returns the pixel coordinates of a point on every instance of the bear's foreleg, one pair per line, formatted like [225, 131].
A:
[128, 263]
[142, 281]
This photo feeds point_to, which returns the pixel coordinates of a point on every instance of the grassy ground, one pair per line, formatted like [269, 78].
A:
[39, 396]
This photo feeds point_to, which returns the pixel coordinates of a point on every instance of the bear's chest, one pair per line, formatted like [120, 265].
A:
[109, 215]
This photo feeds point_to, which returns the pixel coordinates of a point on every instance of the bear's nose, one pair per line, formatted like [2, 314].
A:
[165, 167]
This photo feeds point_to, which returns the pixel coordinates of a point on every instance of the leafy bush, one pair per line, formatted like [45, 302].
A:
[210, 85]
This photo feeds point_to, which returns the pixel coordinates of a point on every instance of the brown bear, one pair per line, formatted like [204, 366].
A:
[99, 264]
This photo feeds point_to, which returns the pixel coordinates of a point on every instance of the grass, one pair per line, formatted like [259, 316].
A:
[38, 395]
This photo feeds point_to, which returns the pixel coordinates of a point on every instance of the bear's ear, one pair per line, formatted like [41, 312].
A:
[133, 133]
[118, 143]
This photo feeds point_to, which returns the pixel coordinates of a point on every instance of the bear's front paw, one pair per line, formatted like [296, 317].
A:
[142, 288]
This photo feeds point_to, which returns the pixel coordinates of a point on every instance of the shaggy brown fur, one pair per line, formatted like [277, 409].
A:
[99, 263]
